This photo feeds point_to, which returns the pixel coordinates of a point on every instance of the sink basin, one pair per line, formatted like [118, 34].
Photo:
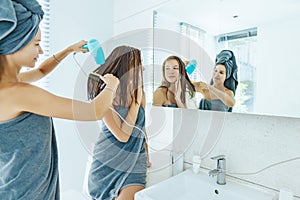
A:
[188, 185]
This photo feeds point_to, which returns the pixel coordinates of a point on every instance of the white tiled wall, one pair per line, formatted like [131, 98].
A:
[249, 142]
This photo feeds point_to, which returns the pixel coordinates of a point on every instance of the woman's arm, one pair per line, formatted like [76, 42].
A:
[210, 92]
[49, 64]
[227, 96]
[29, 98]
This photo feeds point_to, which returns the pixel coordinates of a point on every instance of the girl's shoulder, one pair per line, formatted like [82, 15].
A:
[161, 89]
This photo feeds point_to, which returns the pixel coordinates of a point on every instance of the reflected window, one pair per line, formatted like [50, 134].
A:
[244, 45]
[197, 35]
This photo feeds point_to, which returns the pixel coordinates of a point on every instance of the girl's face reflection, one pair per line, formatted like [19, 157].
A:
[171, 70]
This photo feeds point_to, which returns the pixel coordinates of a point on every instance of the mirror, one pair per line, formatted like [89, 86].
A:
[264, 36]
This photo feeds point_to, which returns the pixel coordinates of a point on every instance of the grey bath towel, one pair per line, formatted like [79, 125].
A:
[28, 159]
[118, 164]
[19, 23]
[214, 104]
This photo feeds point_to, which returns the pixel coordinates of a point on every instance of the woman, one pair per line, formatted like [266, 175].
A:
[119, 162]
[175, 85]
[219, 95]
[28, 151]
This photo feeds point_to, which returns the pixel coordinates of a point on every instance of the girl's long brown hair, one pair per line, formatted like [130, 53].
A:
[125, 63]
[186, 83]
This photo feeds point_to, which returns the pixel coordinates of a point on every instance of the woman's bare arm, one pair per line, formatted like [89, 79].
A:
[49, 64]
[210, 92]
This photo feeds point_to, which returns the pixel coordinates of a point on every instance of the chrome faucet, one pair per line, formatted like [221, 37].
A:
[220, 171]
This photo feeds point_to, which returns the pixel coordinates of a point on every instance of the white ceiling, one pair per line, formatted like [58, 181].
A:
[216, 16]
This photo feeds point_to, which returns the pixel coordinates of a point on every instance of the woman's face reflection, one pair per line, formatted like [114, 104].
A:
[219, 75]
[171, 70]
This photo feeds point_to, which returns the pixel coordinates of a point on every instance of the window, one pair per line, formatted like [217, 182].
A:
[244, 45]
[197, 35]
[45, 40]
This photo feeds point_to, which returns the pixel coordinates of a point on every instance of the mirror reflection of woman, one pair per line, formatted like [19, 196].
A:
[220, 94]
[176, 89]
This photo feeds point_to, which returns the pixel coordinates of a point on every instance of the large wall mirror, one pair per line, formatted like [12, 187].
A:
[264, 35]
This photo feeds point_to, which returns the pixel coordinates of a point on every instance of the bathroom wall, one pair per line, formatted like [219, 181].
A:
[72, 21]
[134, 14]
[249, 142]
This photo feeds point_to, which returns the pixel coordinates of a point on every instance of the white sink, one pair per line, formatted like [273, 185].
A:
[190, 186]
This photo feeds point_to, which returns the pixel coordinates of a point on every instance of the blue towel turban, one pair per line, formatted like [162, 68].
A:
[227, 58]
[19, 23]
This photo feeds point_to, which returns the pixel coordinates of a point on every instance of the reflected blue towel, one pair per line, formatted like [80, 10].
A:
[19, 23]
[28, 158]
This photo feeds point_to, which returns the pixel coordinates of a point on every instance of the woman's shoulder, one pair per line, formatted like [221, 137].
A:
[16, 88]
[11, 88]
[10, 94]
[229, 92]
[13, 93]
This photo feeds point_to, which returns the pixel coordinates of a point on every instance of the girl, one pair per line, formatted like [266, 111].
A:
[119, 162]
[175, 85]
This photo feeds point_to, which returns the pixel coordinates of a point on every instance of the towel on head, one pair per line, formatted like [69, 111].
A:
[19, 23]
[227, 58]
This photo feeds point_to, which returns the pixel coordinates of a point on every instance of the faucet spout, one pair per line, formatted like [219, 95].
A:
[213, 172]
[220, 171]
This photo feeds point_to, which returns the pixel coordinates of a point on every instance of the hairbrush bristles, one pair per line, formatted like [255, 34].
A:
[95, 76]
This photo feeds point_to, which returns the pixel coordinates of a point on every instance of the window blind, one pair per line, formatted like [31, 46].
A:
[45, 40]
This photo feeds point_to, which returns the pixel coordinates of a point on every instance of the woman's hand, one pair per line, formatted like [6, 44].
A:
[77, 47]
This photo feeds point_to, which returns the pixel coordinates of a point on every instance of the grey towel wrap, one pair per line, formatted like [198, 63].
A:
[28, 159]
[118, 164]
[19, 23]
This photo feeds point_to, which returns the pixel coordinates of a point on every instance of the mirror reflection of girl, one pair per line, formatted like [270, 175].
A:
[120, 158]
[175, 85]
[219, 95]
[28, 150]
